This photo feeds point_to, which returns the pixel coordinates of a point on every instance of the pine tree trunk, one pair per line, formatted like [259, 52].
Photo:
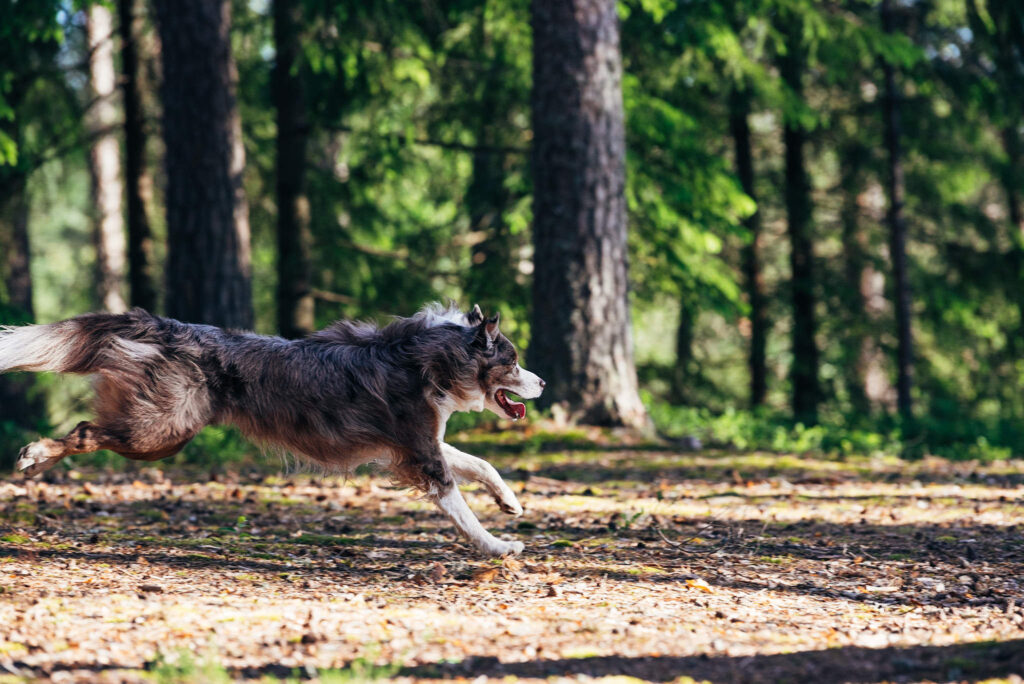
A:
[582, 342]
[897, 232]
[681, 372]
[18, 404]
[105, 162]
[294, 237]
[754, 280]
[1013, 182]
[141, 276]
[491, 281]
[14, 241]
[208, 252]
[854, 262]
[804, 371]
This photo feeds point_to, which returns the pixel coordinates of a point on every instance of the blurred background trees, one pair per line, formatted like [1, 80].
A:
[821, 203]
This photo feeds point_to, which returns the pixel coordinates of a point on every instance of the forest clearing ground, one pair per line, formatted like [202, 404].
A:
[652, 564]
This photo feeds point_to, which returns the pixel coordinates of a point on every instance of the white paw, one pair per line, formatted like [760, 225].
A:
[503, 548]
[34, 459]
[508, 503]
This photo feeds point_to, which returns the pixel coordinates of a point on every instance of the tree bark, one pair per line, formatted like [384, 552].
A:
[490, 282]
[1008, 36]
[141, 276]
[208, 252]
[804, 370]
[739, 112]
[19, 404]
[105, 162]
[582, 343]
[854, 262]
[897, 232]
[681, 372]
[294, 238]
[1013, 178]
[14, 239]
[863, 299]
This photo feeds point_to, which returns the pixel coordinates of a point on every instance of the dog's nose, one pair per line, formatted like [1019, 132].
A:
[543, 384]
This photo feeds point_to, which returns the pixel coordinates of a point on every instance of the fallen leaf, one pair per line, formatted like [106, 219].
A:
[486, 575]
[699, 584]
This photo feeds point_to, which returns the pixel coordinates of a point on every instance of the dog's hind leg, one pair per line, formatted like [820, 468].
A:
[86, 438]
[46, 453]
[469, 468]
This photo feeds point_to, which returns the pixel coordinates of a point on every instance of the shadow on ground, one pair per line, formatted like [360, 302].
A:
[961, 662]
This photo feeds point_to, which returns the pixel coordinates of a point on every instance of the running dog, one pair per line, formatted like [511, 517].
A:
[349, 394]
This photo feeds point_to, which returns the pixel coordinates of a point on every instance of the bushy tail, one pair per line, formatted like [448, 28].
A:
[37, 347]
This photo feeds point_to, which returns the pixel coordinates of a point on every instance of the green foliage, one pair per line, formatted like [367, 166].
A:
[419, 188]
[185, 668]
[837, 436]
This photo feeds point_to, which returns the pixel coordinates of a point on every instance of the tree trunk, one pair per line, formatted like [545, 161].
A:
[141, 277]
[19, 404]
[854, 262]
[105, 162]
[294, 237]
[804, 371]
[491, 280]
[897, 232]
[582, 343]
[754, 280]
[208, 252]
[1009, 41]
[15, 242]
[1013, 178]
[681, 372]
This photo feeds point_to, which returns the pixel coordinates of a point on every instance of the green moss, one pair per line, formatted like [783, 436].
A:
[14, 539]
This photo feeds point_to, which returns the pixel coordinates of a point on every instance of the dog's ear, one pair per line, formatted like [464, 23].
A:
[486, 332]
[491, 327]
[475, 316]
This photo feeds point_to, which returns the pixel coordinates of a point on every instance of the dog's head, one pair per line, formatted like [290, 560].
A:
[500, 373]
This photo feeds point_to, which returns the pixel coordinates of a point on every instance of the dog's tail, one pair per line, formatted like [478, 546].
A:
[38, 347]
[84, 344]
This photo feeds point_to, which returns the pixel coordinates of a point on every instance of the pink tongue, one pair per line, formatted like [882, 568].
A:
[518, 409]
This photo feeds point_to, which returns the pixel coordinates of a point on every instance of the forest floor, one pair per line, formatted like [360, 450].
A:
[643, 563]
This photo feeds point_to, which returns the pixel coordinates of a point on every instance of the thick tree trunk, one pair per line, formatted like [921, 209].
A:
[105, 162]
[582, 343]
[208, 252]
[754, 280]
[141, 277]
[294, 237]
[897, 232]
[804, 371]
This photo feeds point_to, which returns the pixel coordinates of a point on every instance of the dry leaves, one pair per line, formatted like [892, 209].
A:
[645, 564]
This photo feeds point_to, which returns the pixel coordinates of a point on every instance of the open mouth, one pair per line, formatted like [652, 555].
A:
[513, 409]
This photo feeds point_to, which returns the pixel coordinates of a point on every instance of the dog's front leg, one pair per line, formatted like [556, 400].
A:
[455, 507]
[469, 468]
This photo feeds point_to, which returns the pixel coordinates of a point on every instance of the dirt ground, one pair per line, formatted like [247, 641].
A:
[647, 564]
